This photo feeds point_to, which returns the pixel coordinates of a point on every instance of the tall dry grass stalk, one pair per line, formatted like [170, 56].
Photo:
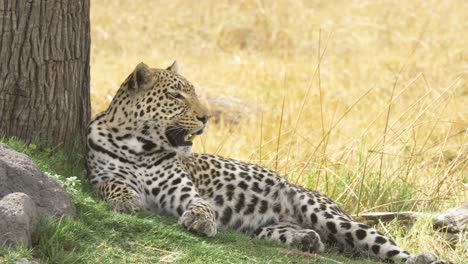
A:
[364, 100]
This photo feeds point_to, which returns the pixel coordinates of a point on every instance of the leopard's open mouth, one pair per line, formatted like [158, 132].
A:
[181, 137]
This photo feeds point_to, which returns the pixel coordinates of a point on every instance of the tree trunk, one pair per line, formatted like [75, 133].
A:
[44, 70]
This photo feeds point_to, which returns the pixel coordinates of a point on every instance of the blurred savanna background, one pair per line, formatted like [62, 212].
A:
[363, 100]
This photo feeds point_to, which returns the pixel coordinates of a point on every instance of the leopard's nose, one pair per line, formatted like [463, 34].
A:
[203, 118]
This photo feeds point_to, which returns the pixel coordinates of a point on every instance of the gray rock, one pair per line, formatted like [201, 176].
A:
[19, 219]
[26, 261]
[18, 173]
[452, 223]
[454, 219]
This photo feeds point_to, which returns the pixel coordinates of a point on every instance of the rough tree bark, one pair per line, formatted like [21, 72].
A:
[44, 70]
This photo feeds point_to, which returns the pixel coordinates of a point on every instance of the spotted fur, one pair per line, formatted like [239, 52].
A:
[140, 158]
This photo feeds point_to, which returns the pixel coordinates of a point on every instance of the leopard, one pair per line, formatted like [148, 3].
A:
[140, 158]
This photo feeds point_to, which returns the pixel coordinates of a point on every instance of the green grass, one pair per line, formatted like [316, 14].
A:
[99, 235]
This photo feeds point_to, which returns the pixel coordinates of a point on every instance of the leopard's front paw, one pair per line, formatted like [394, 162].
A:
[126, 201]
[426, 258]
[199, 218]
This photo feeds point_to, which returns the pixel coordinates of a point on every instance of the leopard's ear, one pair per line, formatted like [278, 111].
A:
[140, 78]
[174, 67]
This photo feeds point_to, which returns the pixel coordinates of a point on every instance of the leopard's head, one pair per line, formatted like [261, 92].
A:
[161, 104]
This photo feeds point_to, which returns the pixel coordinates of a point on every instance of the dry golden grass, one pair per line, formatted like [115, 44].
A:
[363, 100]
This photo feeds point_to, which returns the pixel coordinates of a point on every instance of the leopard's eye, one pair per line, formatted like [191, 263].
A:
[177, 95]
